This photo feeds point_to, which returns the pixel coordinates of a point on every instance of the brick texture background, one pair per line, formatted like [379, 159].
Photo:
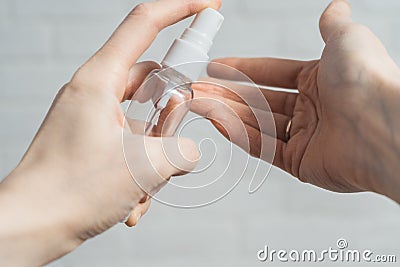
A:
[42, 42]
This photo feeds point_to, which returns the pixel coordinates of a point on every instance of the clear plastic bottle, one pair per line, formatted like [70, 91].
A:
[171, 99]
[165, 97]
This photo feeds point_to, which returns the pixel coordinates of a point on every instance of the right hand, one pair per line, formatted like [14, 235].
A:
[345, 117]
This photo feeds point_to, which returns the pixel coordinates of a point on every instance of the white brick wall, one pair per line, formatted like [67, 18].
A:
[4, 12]
[42, 81]
[287, 9]
[42, 42]
[56, 8]
[76, 41]
[24, 41]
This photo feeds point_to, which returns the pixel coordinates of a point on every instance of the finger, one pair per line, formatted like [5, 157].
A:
[248, 138]
[266, 148]
[152, 161]
[335, 16]
[273, 72]
[133, 126]
[138, 212]
[137, 75]
[272, 124]
[140, 27]
[264, 99]
[171, 115]
[180, 156]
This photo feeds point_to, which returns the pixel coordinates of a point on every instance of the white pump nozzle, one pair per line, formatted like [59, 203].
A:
[208, 22]
[194, 44]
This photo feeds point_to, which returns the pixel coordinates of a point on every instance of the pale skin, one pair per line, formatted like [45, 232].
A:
[345, 128]
[73, 183]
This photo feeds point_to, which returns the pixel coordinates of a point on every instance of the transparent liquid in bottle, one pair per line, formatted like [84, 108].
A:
[165, 97]
[162, 101]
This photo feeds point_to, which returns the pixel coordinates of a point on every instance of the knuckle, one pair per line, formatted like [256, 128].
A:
[190, 6]
[324, 19]
[142, 9]
[63, 89]
[146, 14]
[78, 80]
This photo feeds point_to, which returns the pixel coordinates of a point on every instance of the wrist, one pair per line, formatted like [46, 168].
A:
[32, 223]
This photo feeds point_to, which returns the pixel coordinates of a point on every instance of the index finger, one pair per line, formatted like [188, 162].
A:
[273, 72]
[144, 22]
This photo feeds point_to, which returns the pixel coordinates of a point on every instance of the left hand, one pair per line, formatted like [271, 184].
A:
[343, 118]
[73, 180]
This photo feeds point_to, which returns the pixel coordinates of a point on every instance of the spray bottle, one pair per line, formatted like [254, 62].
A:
[167, 91]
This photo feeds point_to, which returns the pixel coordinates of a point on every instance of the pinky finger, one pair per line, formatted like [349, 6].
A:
[138, 212]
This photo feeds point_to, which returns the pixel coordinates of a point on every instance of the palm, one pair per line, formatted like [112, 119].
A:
[325, 147]
[321, 136]
[339, 90]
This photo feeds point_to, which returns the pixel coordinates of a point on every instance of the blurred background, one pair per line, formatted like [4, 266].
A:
[42, 42]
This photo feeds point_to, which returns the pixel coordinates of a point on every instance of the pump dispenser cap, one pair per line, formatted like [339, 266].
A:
[194, 44]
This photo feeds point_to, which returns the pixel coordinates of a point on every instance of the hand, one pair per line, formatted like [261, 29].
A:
[73, 182]
[345, 129]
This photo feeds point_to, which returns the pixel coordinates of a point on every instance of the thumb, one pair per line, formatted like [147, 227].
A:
[153, 160]
[173, 156]
[335, 16]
